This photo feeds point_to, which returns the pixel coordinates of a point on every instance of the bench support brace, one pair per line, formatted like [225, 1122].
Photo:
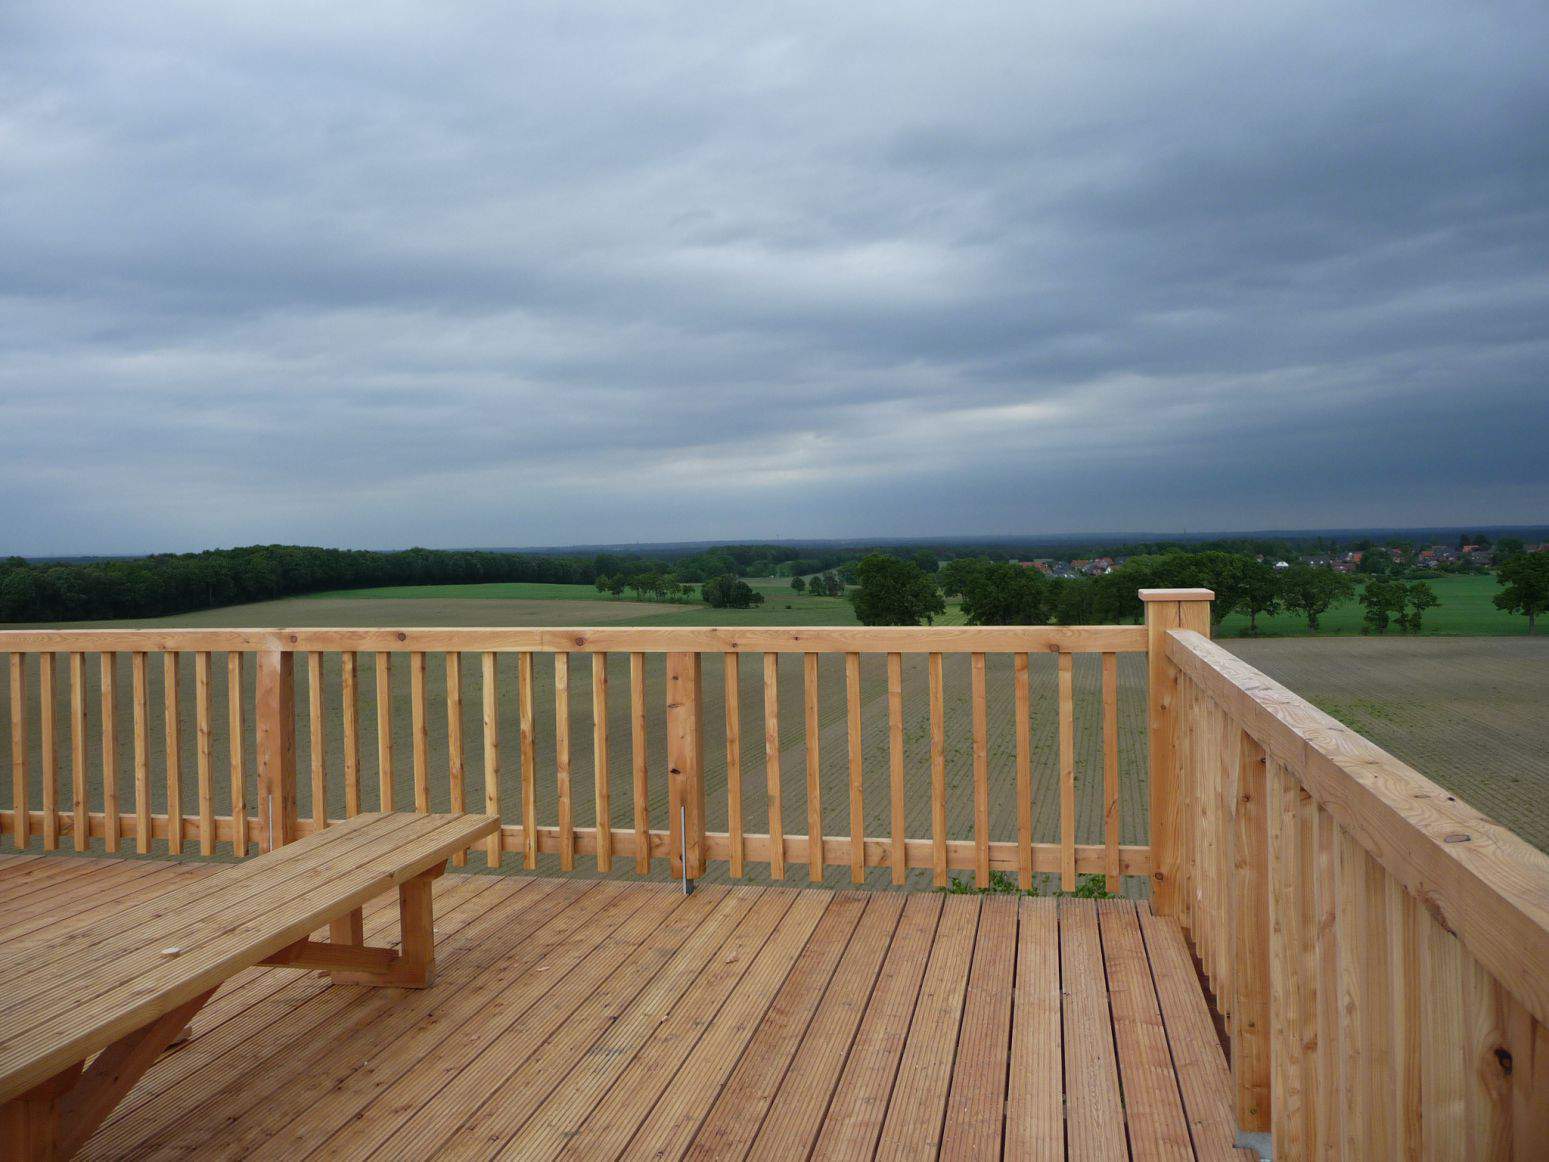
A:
[350, 960]
[53, 1120]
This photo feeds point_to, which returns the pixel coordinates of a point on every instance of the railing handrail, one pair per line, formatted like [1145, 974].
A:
[597, 639]
[1479, 879]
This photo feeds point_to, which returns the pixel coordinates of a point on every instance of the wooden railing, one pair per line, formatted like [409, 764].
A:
[231, 705]
[1379, 950]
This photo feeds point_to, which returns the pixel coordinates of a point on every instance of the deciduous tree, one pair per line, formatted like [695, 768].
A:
[894, 592]
[1524, 579]
[729, 592]
[1311, 590]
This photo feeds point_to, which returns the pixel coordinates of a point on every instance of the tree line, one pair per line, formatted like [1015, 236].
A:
[895, 591]
[172, 583]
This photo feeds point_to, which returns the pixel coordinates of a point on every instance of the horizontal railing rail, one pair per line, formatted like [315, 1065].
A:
[1379, 949]
[228, 707]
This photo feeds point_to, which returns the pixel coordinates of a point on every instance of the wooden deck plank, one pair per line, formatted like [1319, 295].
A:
[854, 1116]
[196, 918]
[796, 1115]
[25, 873]
[98, 897]
[653, 1120]
[278, 1070]
[118, 990]
[59, 897]
[976, 1106]
[638, 1069]
[1094, 1113]
[589, 1054]
[388, 1039]
[248, 1040]
[419, 1111]
[11, 861]
[1200, 1065]
[1035, 1098]
[607, 1019]
[1152, 1104]
[737, 1111]
[912, 1127]
[190, 903]
[234, 1025]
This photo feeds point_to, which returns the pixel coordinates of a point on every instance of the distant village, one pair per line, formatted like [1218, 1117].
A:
[1460, 558]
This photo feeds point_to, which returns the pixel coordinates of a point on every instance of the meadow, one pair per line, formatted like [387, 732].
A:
[1466, 608]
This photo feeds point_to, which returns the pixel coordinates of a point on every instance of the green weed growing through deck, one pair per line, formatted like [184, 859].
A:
[1088, 887]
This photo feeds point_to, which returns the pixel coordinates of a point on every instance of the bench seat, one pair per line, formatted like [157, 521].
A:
[123, 988]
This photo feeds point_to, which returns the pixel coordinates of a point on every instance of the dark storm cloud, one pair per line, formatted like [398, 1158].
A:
[405, 273]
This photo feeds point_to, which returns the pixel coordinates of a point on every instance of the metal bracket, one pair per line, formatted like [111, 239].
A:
[688, 884]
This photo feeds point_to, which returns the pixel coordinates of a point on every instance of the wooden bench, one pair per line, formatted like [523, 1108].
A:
[123, 989]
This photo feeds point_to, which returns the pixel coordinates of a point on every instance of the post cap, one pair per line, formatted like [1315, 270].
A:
[1177, 595]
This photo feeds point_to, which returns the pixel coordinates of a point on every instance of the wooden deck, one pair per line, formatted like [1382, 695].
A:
[604, 1019]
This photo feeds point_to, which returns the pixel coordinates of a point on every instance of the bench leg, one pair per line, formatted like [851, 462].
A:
[53, 1120]
[416, 922]
[29, 1124]
[348, 929]
[412, 967]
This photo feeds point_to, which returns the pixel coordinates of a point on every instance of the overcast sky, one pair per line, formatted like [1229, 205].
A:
[392, 274]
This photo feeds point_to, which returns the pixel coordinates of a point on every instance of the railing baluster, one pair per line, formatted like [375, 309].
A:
[1325, 969]
[685, 764]
[1250, 933]
[21, 822]
[419, 731]
[899, 857]
[852, 693]
[48, 752]
[733, 704]
[638, 763]
[529, 760]
[1287, 1097]
[108, 669]
[772, 764]
[202, 738]
[235, 741]
[384, 729]
[1111, 771]
[142, 753]
[349, 695]
[275, 715]
[600, 761]
[171, 724]
[456, 791]
[1442, 966]
[562, 759]
[981, 761]
[1024, 732]
[1407, 1017]
[815, 859]
[938, 776]
[490, 692]
[1067, 774]
[317, 742]
[79, 799]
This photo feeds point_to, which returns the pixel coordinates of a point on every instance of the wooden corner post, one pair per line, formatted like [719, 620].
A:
[685, 765]
[276, 713]
[1167, 609]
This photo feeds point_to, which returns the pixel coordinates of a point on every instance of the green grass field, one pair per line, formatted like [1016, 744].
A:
[493, 591]
[782, 604]
[1465, 609]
